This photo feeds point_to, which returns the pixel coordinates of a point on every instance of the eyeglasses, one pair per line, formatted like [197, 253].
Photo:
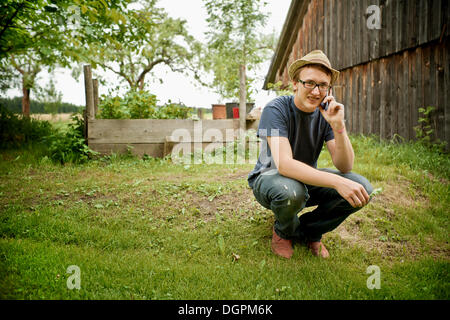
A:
[311, 85]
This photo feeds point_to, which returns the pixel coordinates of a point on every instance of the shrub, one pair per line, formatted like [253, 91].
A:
[16, 130]
[111, 108]
[140, 105]
[70, 146]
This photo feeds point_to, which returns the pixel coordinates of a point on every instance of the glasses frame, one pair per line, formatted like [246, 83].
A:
[316, 85]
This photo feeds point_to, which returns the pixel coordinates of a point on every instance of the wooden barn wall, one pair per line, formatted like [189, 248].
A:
[387, 74]
[384, 96]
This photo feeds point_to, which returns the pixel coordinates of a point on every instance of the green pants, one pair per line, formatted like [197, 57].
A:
[286, 197]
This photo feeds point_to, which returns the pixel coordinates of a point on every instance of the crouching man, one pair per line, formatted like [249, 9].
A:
[286, 179]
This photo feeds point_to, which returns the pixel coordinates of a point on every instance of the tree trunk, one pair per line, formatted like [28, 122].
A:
[25, 99]
[141, 83]
[242, 98]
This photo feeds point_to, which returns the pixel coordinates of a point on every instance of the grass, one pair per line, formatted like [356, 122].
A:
[149, 229]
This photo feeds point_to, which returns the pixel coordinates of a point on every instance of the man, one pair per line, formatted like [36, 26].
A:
[286, 179]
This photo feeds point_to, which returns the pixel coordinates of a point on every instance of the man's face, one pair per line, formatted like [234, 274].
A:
[305, 99]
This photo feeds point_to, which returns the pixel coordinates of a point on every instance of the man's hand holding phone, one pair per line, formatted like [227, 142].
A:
[332, 111]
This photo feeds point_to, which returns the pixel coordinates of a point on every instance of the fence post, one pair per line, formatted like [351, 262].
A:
[89, 91]
[200, 113]
[96, 101]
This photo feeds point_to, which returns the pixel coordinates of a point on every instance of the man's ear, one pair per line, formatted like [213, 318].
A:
[295, 86]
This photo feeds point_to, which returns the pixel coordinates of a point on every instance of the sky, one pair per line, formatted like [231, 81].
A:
[176, 87]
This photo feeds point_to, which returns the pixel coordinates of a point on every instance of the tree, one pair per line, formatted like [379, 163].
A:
[37, 34]
[50, 97]
[147, 38]
[235, 46]
[28, 67]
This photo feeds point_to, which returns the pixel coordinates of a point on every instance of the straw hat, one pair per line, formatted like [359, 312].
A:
[314, 57]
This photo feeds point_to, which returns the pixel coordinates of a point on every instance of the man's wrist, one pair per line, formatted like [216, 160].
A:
[338, 127]
[336, 181]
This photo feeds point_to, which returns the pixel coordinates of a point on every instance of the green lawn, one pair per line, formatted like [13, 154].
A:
[150, 229]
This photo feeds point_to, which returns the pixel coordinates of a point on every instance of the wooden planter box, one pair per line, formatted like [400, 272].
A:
[155, 137]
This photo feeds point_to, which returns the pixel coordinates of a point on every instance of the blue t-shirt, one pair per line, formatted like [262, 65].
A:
[306, 133]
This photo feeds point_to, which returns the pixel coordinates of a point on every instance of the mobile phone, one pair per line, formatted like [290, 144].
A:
[324, 105]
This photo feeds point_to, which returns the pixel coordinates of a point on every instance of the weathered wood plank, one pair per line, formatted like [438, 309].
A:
[395, 45]
[432, 99]
[308, 29]
[426, 79]
[376, 98]
[385, 28]
[335, 28]
[413, 25]
[357, 33]
[412, 96]
[402, 115]
[372, 35]
[346, 98]
[406, 93]
[151, 130]
[406, 25]
[446, 94]
[368, 99]
[345, 27]
[435, 17]
[390, 96]
[331, 29]
[423, 30]
[355, 122]
[446, 17]
[419, 102]
[363, 30]
[440, 91]
[365, 33]
[340, 30]
[313, 27]
[361, 104]
[383, 94]
[139, 149]
[320, 18]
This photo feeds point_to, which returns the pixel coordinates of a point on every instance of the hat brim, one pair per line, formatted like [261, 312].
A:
[301, 63]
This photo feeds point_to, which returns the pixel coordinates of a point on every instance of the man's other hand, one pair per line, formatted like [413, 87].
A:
[353, 192]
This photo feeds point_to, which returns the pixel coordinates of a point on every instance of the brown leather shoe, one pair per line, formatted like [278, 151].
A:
[318, 249]
[282, 247]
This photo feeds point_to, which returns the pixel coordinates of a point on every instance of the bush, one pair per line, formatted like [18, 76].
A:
[140, 105]
[111, 108]
[16, 130]
[70, 146]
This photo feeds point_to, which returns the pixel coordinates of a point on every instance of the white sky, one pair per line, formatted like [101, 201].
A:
[176, 87]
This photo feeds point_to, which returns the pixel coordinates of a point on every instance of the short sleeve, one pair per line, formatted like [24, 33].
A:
[329, 135]
[273, 123]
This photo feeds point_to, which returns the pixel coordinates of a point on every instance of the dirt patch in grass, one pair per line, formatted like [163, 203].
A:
[351, 235]
[393, 194]
[398, 194]
[392, 249]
